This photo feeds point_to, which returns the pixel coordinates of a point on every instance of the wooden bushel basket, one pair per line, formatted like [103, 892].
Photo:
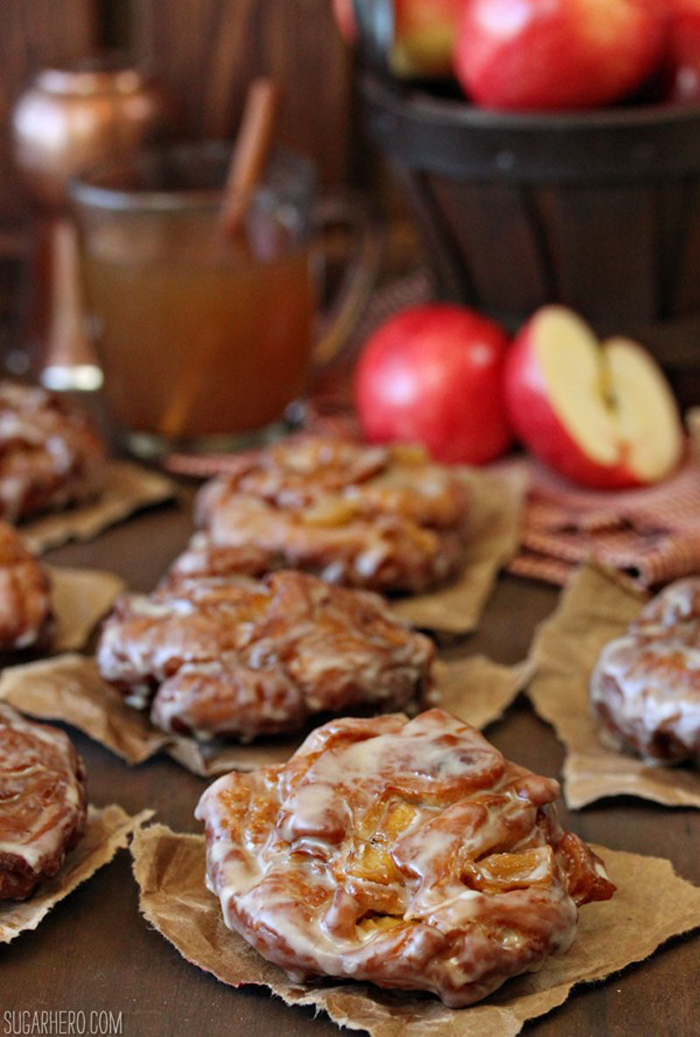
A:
[599, 210]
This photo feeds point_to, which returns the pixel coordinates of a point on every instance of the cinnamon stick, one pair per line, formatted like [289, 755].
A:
[251, 152]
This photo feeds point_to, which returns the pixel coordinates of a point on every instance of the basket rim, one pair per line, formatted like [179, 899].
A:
[417, 103]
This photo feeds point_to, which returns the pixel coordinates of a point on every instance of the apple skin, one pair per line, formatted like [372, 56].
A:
[433, 374]
[344, 16]
[425, 34]
[520, 55]
[538, 427]
[681, 70]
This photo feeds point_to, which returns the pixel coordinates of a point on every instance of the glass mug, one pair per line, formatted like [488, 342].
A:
[205, 340]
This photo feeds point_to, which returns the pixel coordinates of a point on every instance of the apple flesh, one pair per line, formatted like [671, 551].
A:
[433, 374]
[562, 54]
[601, 414]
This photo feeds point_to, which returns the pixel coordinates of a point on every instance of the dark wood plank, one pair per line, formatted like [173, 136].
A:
[496, 230]
[611, 280]
[208, 50]
[684, 285]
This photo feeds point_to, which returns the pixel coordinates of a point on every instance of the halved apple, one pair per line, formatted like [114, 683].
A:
[601, 414]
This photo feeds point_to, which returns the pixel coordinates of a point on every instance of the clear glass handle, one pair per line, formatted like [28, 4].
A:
[360, 274]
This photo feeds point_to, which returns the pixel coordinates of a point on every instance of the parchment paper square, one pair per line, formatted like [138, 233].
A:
[169, 868]
[129, 488]
[594, 608]
[108, 830]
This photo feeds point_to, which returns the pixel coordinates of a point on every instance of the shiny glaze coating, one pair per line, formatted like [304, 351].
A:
[645, 688]
[50, 452]
[236, 657]
[43, 802]
[380, 518]
[25, 595]
[407, 853]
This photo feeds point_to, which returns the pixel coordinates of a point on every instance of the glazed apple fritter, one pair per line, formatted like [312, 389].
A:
[44, 802]
[645, 689]
[374, 517]
[50, 452]
[25, 603]
[240, 658]
[409, 854]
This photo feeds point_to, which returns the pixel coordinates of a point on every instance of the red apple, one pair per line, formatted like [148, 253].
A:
[681, 71]
[601, 414]
[345, 20]
[530, 54]
[433, 374]
[425, 32]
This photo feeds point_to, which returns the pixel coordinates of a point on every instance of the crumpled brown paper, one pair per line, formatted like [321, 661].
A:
[478, 690]
[595, 607]
[69, 688]
[498, 508]
[128, 489]
[108, 830]
[169, 868]
[79, 599]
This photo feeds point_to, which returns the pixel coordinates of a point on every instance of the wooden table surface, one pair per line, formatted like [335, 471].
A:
[95, 953]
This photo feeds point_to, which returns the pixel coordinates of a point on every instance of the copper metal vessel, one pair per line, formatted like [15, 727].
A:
[68, 120]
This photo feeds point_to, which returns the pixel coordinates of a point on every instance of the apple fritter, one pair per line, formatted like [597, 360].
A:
[44, 802]
[239, 658]
[51, 454]
[25, 604]
[379, 518]
[409, 854]
[645, 688]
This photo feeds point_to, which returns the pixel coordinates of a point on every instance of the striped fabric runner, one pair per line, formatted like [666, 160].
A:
[652, 534]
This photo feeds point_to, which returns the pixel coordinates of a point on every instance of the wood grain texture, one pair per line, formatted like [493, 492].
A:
[208, 50]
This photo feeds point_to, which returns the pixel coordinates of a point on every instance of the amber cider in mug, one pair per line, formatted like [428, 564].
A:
[200, 336]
